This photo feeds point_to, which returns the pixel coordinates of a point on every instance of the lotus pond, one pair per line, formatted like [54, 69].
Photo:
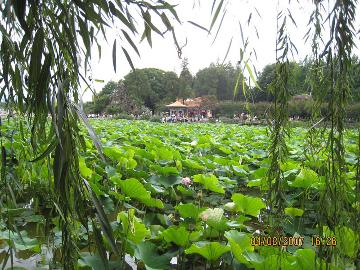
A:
[178, 196]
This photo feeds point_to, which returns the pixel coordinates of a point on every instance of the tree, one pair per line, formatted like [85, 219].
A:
[355, 79]
[150, 86]
[103, 99]
[297, 83]
[219, 80]
[43, 49]
[171, 85]
[121, 101]
[186, 80]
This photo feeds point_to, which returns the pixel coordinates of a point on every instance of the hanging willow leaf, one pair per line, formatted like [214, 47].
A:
[242, 34]
[166, 21]
[84, 33]
[100, 245]
[236, 87]
[172, 10]
[90, 13]
[249, 19]
[218, 30]
[48, 150]
[199, 26]
[131, 21]
[105, 225]
[90, 130]
[216, 14]
[121, 17]
[147, 17]
[18, 88]
[36, 55]
[43, 83]
[228, 50]
[3, 162]
[130, 42]
[258, 13]
[114, 55]
[291, 17]
[147, 34]
[128, 58]
[213, 5]
[103, 5]
[20, 8]
[252, 75]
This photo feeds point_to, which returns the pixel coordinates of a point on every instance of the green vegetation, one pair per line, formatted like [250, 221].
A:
[155, 192]
[153, 88]
[190, 191]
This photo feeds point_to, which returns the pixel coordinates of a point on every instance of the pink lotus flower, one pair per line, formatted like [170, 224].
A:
[186, 181]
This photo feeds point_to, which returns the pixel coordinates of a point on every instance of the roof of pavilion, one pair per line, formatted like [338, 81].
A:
[176, 104]
[188, 103]
[194, 102]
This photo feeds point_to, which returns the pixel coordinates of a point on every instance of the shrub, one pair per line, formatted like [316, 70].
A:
[229, 108]
[113, 109]
[353, 112]
[302, 108]
[124, 116]
[227, 120]
[145, 117]
[155, 118]
[260, 109]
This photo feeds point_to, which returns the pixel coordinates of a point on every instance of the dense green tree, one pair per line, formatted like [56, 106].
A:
[205, 82]
[103, 99]
[219, 80]
[171, 85]
[355, 79]
[150, 86]
[122, 101]
[139, 86]
[297, 82]
[186, 81]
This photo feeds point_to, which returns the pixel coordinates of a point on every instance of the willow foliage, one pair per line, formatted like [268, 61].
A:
[44, 53]
[330, 76]
[45, 49]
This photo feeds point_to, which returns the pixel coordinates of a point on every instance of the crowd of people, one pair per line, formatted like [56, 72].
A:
[180, 117]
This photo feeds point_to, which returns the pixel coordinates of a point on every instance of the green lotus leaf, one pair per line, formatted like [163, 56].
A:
[133, 228]
[166, 170]
[247, 204]
[113, 152]
[177, 235]
[240, 245]
[295, 212]
[189, 210]
[165, 181]
[209, 250]
[147, 252]
[134, 189]
[192, 164]
[209, 182]
[84, 170]
[305, 258]
[305, 179]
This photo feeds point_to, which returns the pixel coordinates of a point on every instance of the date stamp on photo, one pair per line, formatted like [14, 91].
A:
[277, 241]
[295, 241]
[318, 241]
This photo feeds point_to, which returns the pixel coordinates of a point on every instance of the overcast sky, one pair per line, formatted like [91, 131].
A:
[199, 49]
